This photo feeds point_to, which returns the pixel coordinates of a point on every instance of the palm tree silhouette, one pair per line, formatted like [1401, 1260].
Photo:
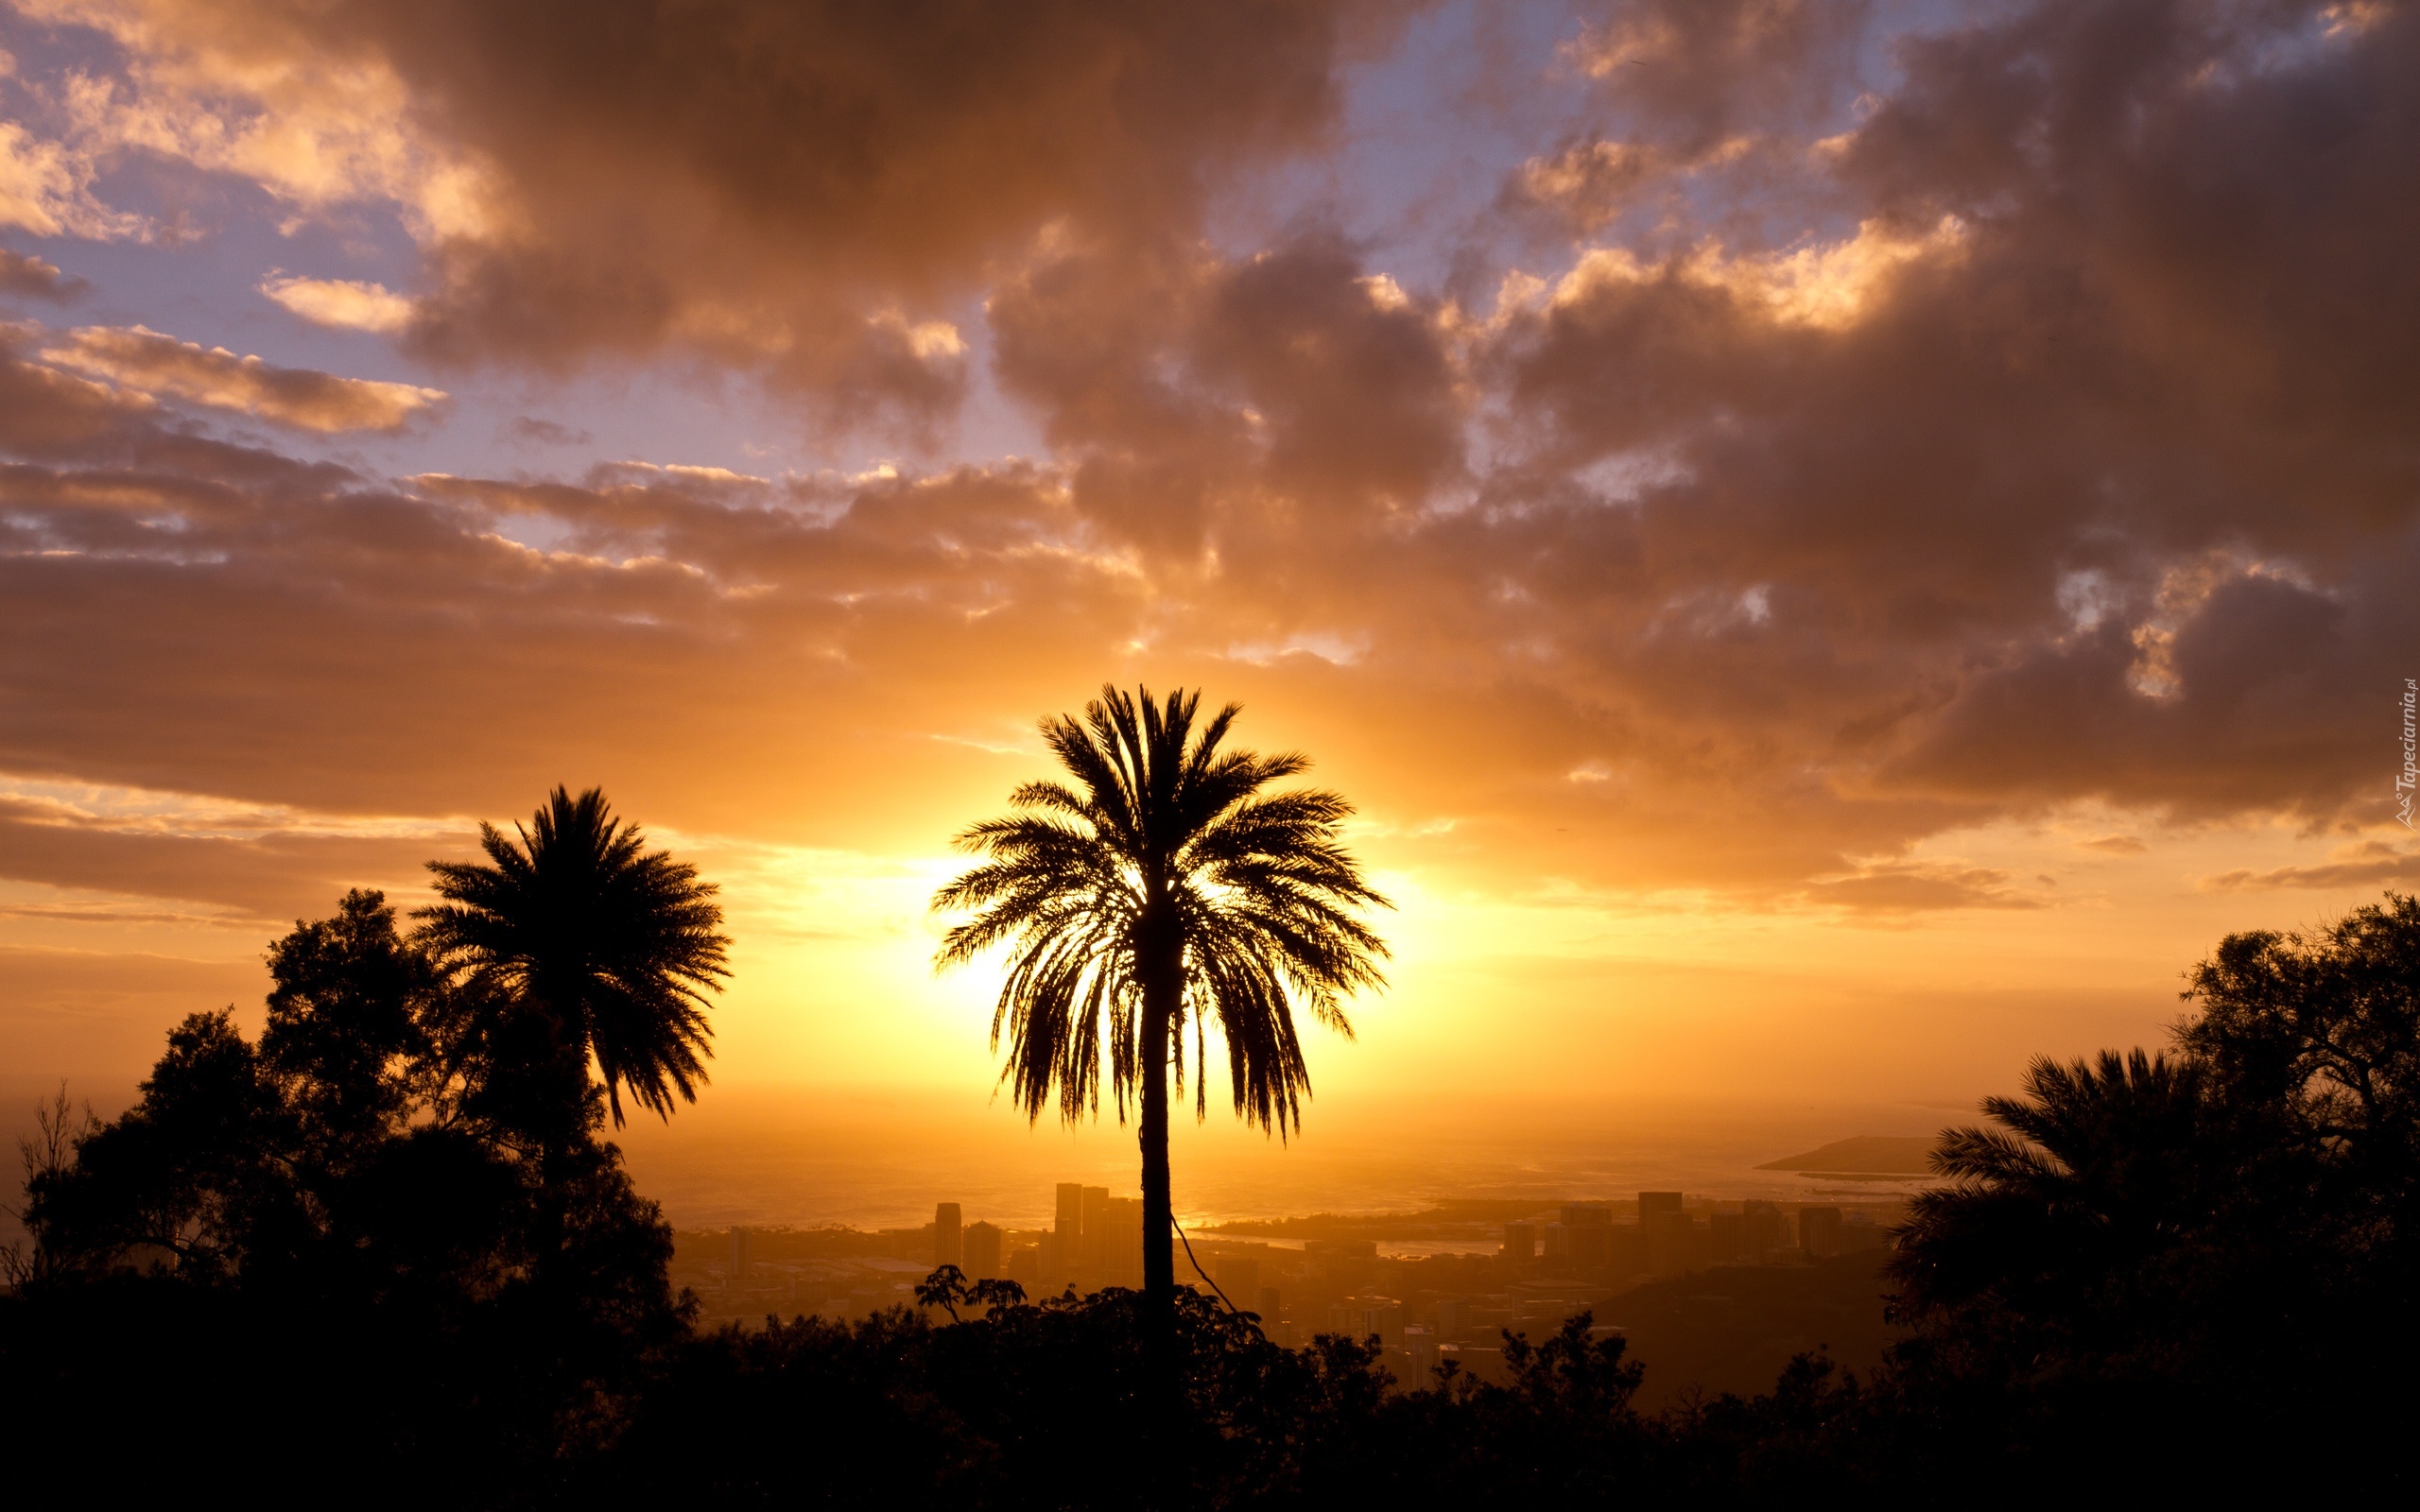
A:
[2097, 1183]
[603, 948]
[1165, 888]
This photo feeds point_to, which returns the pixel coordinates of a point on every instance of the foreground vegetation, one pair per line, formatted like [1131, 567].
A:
[384, 1253]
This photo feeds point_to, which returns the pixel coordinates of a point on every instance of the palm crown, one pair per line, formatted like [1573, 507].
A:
[614, 945]
[1165, 874]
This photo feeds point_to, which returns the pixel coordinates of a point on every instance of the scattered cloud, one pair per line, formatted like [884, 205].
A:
[2365, 865]
[27, 276]
[146, 360]
[345, 305]
[544, 432]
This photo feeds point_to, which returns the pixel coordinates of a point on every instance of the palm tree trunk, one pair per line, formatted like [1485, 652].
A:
[1159, 992]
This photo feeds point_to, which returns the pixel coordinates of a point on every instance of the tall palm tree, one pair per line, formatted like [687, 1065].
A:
[604, 949]
[1163, 890]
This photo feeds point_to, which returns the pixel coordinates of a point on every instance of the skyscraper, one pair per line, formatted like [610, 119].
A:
[1092, 1253]
[946, 1247]
[1670, 1236]
[1651, 1203]
[1520, 1243]
[1122, 1249]
[1819, 1231]
[1238, 1276]
[982, 1251]
[1762, 1221]
[1062, 1246]
[1588, 1233]
[742, 1254]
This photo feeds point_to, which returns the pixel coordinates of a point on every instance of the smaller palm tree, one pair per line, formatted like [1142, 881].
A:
[2090, 1198]
[1165, 891]
[604, 948]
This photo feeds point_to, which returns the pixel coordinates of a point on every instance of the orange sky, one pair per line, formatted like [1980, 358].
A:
[1835, 546]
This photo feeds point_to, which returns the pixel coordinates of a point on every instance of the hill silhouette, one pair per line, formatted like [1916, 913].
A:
[1865, 1154]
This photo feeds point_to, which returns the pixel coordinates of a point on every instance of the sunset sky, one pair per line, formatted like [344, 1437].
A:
[1835, 546]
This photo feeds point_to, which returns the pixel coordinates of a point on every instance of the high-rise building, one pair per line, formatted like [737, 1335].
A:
[1421, 1341]
[1819, 1231]
[1272, 1304]
[1729, 1232]
[1092, 1255]
[1651, 1203]
[947, 1248]
[743, 1247]
[1358, 1317]
[1558, 1246]
[1520, 1243]
[1122, 1248]
[1062, 1246]
[1238, 1276]
[1025, 1268]
[982, 1249]
[1762, 1222]
[1588, 1232]
[1670, 1236]
[1454, 1316]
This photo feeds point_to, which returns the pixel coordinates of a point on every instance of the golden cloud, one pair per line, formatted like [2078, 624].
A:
[146, 361]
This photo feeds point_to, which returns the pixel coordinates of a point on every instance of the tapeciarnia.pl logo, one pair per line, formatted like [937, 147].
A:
[2405, 780]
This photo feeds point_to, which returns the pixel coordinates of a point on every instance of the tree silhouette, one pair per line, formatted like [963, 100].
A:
[597, 948]
[1164, 889]
[2081, 1214]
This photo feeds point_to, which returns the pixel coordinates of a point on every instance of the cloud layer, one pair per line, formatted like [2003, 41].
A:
[1849, 460]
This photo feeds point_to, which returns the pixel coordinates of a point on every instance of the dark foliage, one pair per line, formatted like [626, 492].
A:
[332, 1264]
[589, 946]
[332, 1237]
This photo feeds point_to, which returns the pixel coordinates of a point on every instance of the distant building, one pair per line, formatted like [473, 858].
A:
[1272, 1304]
[982, 1251]
[1858, 1232]
[1421, 1342]
[1050, 1266]
[1092, 1255]
[1122, 1244]
[1558, 1249]
[948, 1249]
[1588, 1236]
[1238, 1276]
[743, 1247]
[1024, 1267]
[1762, 1232]
[1360, 1317]
[1062, 1246]
[1727, 1235]
[1819, 1231]
[1520, 1243]
[1671, 1234]
[1651, 1203]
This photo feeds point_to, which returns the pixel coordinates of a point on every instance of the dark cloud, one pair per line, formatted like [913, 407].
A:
[543, 432]
[30, 277]
[816, 191]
